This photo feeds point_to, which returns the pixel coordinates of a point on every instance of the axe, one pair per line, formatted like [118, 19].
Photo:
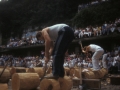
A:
[5, 67]
[81, 44]
[44, 72]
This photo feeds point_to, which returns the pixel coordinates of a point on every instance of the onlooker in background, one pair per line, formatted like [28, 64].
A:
[42, 54]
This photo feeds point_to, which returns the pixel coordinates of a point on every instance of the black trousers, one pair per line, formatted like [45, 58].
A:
[64, 39]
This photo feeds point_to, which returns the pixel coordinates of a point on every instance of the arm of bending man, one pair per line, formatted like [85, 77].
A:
[86, 49]
[48, 44]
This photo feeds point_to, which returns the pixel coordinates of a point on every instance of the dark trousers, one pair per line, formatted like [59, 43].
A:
[64, 39]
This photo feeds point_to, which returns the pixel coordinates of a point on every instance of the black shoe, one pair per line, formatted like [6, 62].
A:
[51, 76]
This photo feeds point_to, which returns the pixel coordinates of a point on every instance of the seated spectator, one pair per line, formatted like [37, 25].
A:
[103, 29]
[95, 31]
[89, 31]
[99, 31]
[81, 34]
[76, 33]
[112, 27]
[108, 27]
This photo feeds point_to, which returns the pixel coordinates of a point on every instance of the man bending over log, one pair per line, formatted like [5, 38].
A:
[63, 35]
[98, 51]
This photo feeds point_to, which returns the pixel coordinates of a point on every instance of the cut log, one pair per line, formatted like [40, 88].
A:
[30, 70]
[65, 83]
[25, 81]
[8, 68]
[74, 72]
[5, 76]
[17, 70]
[67, 71]
[98, 74]
[49, 84]
[38, 70]
[88, 75]
[3, 86]
[48, 70]
[105, 71]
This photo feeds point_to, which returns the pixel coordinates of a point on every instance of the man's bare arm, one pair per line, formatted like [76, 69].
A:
[47, 42]
[86, 50]
[51, 48]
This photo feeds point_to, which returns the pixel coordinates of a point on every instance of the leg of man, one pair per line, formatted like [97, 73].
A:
[104, 61]
[65, 37]
[95, 59]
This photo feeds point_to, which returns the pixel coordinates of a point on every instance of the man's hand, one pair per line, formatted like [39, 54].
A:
[50, 52]
[82, 48]
[46, 60]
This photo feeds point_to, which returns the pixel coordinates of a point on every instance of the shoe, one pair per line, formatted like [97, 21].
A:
[51, 76]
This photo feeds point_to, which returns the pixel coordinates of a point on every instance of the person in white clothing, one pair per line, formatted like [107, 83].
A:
[98, 51]
[104, 60]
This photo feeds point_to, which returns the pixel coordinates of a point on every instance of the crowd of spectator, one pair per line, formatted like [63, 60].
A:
[24, 42]
[93, 2]
[71, 60]
[91, 31]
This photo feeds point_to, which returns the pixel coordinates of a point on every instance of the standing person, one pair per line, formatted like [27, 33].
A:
[98, 51]
[63, 35]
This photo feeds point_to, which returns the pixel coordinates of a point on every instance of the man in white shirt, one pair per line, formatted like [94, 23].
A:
[98, 51]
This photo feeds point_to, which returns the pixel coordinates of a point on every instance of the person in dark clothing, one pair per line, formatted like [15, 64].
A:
[63, 35]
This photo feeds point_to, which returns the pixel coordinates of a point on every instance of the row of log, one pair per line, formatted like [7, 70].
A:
[72, 72]
[60, 84]
[3, 86]
[87, 73]
[30, 81]
[28, 78]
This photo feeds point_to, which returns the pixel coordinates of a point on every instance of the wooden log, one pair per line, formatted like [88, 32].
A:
[49, 84]
[88, 75]
[30, 70]
[74, 72]
[102, 73]
[26, 69]
[5, 76]
[98, 74]
[38, 70]
[48, 70]
[25, 81]
[17, 70]
[65, 83]
[3, 86]
[8, 68]
[90, 69]
[105, 71]
[67, 71]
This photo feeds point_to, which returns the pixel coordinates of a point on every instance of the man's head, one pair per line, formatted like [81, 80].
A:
[38, 35]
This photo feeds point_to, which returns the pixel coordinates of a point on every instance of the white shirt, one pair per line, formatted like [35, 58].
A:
[94, 47]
